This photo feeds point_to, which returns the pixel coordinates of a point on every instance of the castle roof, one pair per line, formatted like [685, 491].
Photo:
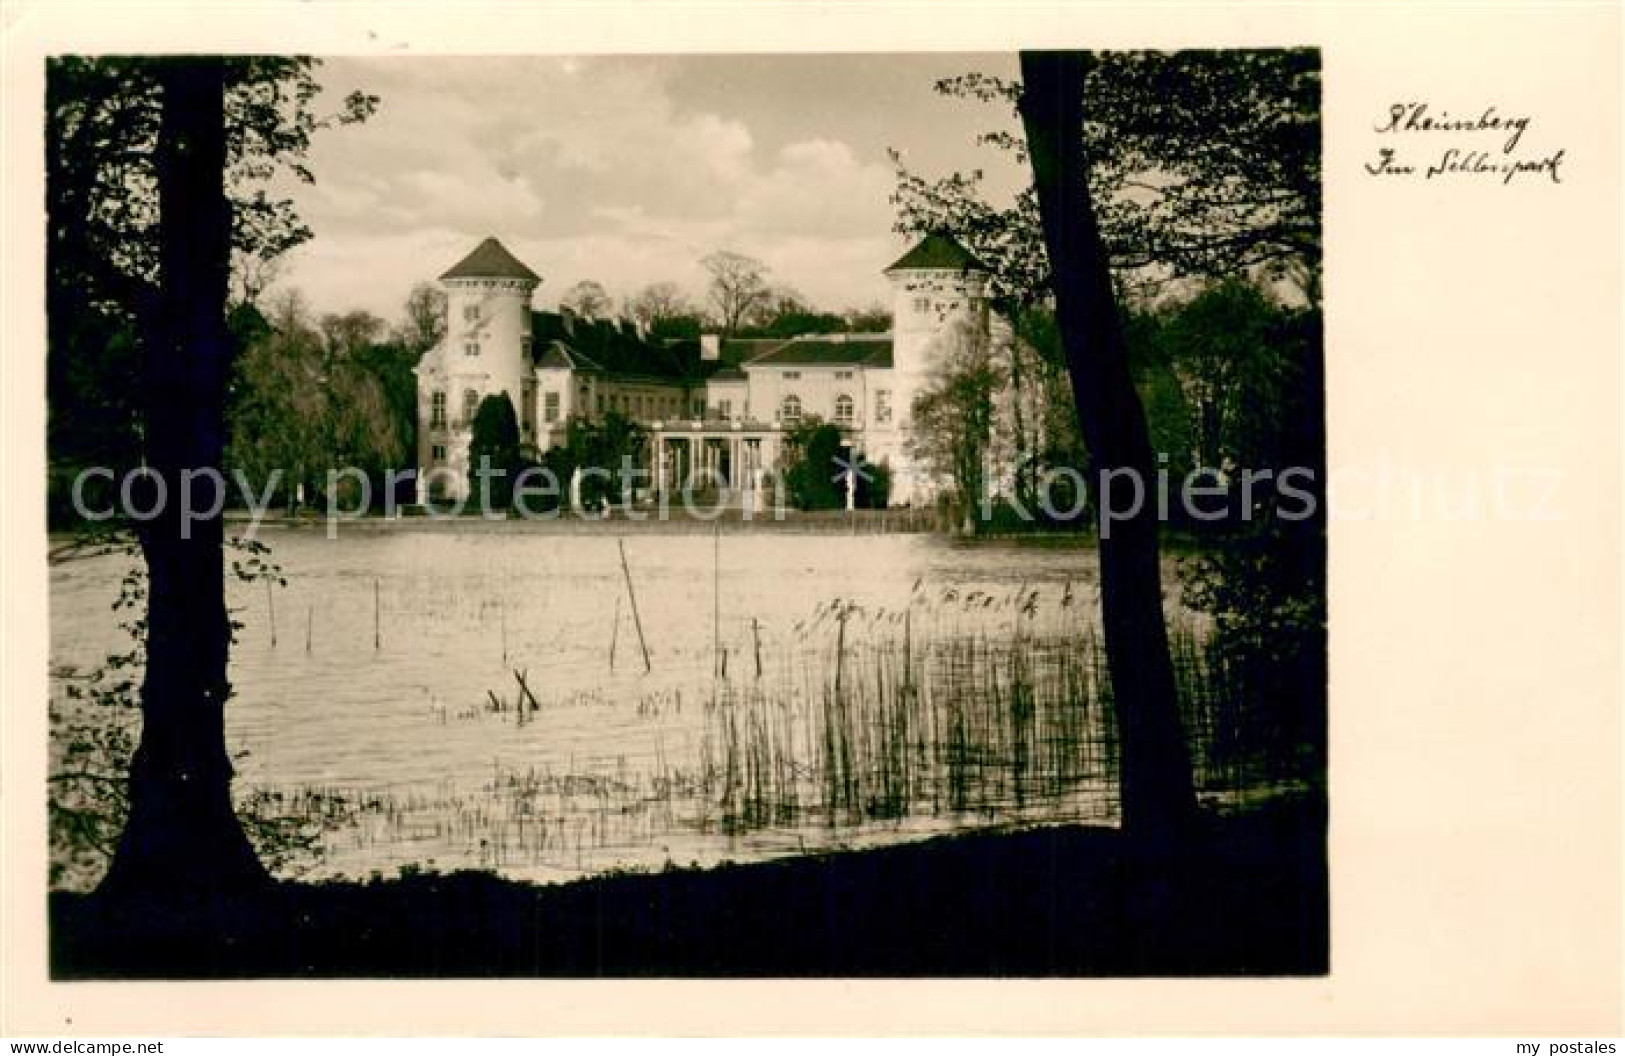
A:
[490, 260]
[938, 252]
[737, 350]
[603, 346]
[599, 346]
[558, 355]
[864, 350]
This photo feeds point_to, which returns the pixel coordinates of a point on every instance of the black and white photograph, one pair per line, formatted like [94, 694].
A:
[702, 515]
[757, 524]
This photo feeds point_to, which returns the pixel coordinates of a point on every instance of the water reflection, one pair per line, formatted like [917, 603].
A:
[481, 695]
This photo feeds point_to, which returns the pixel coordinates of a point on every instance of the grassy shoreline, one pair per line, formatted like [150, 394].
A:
[680, 522]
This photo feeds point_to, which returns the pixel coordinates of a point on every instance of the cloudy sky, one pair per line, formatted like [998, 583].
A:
[627, 170]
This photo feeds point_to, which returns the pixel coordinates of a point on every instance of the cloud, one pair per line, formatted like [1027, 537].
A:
[586, 168]
[818, 186]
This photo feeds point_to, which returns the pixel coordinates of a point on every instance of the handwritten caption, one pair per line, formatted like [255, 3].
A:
[1487, 144]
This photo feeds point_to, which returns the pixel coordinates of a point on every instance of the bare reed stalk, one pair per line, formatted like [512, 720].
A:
[631, 596]
[718, 664]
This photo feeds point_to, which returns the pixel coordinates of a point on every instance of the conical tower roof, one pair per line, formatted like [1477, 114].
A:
[938, 252]
[490, 260]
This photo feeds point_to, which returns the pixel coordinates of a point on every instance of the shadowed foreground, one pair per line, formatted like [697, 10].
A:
[1248, 896]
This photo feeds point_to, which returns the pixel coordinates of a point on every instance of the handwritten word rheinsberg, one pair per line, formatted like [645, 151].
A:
[1473, 157]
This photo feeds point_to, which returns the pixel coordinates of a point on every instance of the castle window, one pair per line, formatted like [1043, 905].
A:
[600, 403]
[550, 407]
[843, 375]
[922, 304]
[790, 410]
[882, 405]
[725, 409]
[524, 346]
[843, 409]
[471, 405]
[471, 348]
[471, 313]
[792, 375]
[438, 453]
[437, 410]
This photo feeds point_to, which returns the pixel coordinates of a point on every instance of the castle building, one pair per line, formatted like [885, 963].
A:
[718, 407]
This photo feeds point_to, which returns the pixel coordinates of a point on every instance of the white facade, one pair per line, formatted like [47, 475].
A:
[485, 352]
[929, 307]
[788, 393]
[699, 410]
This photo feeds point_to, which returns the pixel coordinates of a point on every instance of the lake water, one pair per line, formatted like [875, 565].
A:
[389, 679]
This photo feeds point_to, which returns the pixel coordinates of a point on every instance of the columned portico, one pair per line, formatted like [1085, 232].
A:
[710, 454]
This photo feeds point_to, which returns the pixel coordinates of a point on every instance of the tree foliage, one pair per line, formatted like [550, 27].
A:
[869, 319]
[812, 466]
[423, 318]
[953, 415]
[157, 176]
[785, 313]
[609, 444]
[657, 303]
[102, 127]
[1261, 573]
[102, 119]
[738, 287]
[588, 299]
[816, 463]
[1229, 205]
[311, 396]
[1202, 164]
[1223, 346]
[494, 444]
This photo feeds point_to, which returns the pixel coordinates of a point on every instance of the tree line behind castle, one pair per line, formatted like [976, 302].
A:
[1227, 368]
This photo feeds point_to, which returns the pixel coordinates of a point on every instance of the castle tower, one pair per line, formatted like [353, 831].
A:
[485, 352]
[938, 287]
[488, 297]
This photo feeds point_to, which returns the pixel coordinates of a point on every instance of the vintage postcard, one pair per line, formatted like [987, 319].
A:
[1037, 519]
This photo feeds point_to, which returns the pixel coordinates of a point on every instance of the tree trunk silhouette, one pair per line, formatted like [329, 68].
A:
[182, 836]
[1158, 800]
